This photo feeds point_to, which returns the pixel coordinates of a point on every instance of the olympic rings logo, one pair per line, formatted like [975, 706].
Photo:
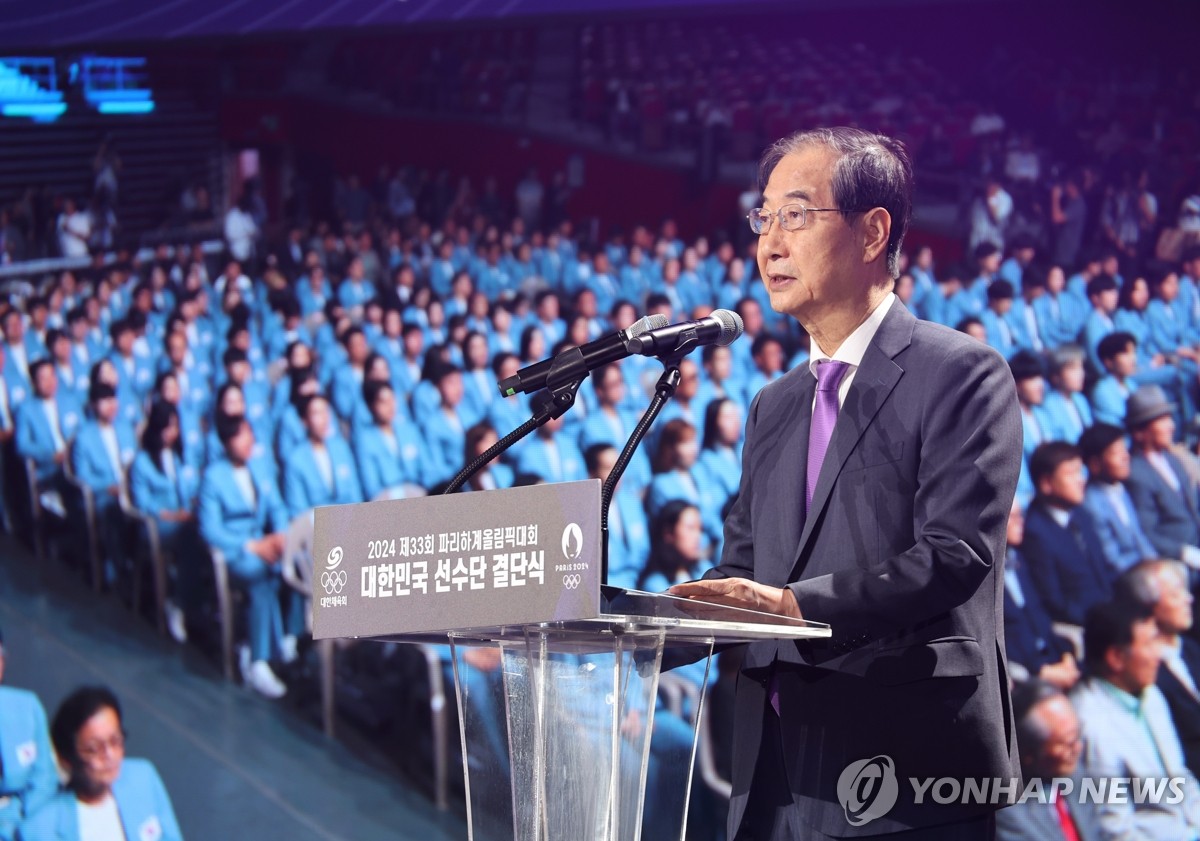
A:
[572, 582]
[333, 582]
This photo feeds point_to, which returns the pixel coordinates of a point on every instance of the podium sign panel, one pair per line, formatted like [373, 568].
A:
[556, 677]
[434, 564]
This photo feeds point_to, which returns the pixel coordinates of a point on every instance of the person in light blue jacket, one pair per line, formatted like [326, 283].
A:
[164, 483]
[321, 470]
[552, 456]
[610, 424]
[242, 514]
[1118, 354]
[1066, 409]
[443, 426]
[72, 376]
[628, 531]
[103, 450]
[27, 775]
[355, 290]
[1103, 294]
[1060, 315]
[107, 795]
[389, 451]
[675, 456]
[17, 360]
[494, 475]
[45, 424]
[720, 465]
[479, 389]
[1106, 456]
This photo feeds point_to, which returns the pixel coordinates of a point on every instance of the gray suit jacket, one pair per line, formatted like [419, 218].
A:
[1170, 518]
[1034, 821]
[902, 553]
[1115, 744]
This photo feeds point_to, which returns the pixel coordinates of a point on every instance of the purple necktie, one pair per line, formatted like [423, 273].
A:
[825, 412]
[824, 416]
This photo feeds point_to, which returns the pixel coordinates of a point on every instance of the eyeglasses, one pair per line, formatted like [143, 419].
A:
[96, 749]
[792, 217]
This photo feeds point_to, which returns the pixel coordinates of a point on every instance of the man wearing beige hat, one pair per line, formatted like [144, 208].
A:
[1165, 497]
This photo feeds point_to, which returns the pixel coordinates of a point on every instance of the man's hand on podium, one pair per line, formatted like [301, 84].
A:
[741, 592]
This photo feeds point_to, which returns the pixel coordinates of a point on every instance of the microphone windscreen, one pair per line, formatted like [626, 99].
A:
[731, 326]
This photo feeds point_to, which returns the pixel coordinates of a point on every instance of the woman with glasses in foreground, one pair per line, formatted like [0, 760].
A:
[106, 795]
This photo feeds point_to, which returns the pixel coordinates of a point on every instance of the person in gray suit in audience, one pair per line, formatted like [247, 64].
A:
[1049, 738]
[1128, 733]
[1106, 456]
[1166, 499]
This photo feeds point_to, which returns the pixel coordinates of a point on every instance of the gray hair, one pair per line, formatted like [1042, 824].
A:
[1139, 584]
[1064, 355]
[873, 170]
[1031, 729]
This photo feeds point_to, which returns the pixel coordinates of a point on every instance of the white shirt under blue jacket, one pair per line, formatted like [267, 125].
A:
[142, 801]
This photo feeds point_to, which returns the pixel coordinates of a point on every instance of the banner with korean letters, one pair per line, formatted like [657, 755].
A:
[469, 560]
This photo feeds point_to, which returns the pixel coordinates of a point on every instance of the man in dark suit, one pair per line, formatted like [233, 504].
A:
[1161, 586]
[1029, 638]
[876, 485]
[1062, 543]
[1165, 498]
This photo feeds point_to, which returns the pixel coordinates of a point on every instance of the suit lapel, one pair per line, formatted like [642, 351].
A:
[1185, 485]
[873, 383]
[797, 444]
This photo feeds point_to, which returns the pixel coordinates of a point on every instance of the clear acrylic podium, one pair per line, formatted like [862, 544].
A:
[556, 676]
[556, 718]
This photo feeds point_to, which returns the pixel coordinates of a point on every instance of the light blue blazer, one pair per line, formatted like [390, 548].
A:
[228, 520]
[536, 460]
[628, 538]
[154, 492]
[446, 443]
[380, 468]
[347, 392]
[29, 779]
[1059, 319]
[33, 437]
[1123, 545]
[1108, 401]
[1168, 329]
[303, 486]
[599, 428]
[90, 460]
[1000, 333]
[138, 381]
[1062, 424]
[18, 384]
[142, 800]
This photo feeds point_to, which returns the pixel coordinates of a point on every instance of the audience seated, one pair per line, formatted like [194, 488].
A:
[1106, 457]
[1162, 587]
[405, 330]
[1061, 542]
[1127, 727]
[1050, 744]
[1166, 499]
[242, 514]
[1029, 638]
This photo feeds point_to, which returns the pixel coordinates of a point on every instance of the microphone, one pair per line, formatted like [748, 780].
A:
[582, 359]
[720, 328]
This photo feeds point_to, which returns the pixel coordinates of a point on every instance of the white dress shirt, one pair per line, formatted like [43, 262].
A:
[853, 348]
